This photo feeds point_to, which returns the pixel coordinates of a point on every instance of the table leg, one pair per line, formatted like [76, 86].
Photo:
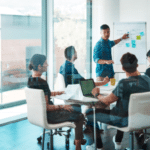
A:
[94, 120]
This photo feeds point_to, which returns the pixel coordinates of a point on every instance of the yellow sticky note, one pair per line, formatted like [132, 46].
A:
[138, 37]
[112, 81]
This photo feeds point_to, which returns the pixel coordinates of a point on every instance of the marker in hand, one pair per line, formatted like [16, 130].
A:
[128, 34]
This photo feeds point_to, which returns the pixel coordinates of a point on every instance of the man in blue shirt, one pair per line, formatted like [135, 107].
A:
[71, 75]
[68, 70]
[102, 54]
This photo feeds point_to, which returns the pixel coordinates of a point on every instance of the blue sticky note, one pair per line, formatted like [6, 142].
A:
[141, 33]
[127, 44]
[133, 41]
[133, 45]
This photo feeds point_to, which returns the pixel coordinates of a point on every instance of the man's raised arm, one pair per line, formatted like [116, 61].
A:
[125, 36]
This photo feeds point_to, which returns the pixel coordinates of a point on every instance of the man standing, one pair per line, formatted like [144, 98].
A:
[102, 54]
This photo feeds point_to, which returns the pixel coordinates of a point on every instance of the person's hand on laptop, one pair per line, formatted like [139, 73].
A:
[95, 91]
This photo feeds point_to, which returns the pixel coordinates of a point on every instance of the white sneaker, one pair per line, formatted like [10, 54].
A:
[117, 144]
[91, 147]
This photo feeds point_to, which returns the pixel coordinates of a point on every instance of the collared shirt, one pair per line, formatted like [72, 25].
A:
[70, 73]
[102, 50]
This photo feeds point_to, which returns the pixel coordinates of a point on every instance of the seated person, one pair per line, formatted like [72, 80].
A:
[55, 113]
[118, 116]
[70, 73]
[72, 76]
[148, 69]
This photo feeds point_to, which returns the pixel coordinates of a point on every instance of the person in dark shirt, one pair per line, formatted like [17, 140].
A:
[148, 69]
[118, 116]
[55, 113]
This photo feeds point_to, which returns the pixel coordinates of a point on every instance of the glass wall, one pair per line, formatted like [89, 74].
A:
[71, 28]
[20, 39]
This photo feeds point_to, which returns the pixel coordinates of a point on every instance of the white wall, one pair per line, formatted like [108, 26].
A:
[109, 11]
[104, 12]
[135, 11]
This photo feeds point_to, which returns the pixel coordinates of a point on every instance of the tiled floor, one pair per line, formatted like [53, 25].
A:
[23, 135]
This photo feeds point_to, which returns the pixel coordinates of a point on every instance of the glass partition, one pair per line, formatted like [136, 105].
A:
[71, 28]
[20, 39]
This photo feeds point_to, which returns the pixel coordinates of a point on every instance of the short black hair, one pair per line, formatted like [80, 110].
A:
[148, 54]
[129, 62]
[69, 52]
[36, 60]
[104, 26]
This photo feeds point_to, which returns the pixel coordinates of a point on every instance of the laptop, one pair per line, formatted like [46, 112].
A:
[87, 87]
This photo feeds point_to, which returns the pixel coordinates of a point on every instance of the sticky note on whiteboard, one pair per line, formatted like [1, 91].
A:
[127, 44]
[133, 43]
[138, 37]
[141, 33]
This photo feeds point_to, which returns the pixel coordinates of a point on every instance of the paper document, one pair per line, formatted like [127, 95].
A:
[64, 96]
[70, 91]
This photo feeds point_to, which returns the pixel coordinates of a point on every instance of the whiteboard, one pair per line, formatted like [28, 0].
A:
[135, 44]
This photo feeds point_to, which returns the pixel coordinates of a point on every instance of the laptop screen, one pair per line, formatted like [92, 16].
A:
[87, 86]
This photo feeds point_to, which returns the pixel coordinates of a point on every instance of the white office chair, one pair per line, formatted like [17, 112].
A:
[36, 111]
[139, 115]
[60, 83]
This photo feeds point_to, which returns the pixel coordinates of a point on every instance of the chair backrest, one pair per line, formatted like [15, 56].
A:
[36, 107]
[139, 111]
[60, 83]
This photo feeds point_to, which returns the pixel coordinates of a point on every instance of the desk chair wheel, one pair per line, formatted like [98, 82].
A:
[39, 139]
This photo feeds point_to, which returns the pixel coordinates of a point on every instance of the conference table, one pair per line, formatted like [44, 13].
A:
[82, 100]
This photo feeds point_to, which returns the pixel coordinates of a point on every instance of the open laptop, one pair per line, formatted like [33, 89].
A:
[87, 87]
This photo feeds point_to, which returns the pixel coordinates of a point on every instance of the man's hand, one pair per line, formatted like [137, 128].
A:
[68, 108]
[95, 91]
[125, 36]
[109, 62]
[106, 80]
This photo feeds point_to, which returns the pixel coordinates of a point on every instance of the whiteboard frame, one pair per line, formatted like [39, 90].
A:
[141, 68]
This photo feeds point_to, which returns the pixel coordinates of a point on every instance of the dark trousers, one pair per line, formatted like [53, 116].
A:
[103, 116]
[63, 115]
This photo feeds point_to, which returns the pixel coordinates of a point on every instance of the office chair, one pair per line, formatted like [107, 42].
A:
[36, 112]
[139, 115]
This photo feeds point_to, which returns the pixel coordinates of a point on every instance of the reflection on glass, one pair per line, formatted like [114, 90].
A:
[20, 39]
[70, 27]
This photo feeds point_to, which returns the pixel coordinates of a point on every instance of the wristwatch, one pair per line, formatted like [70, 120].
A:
[121, 38]
[96, 95]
